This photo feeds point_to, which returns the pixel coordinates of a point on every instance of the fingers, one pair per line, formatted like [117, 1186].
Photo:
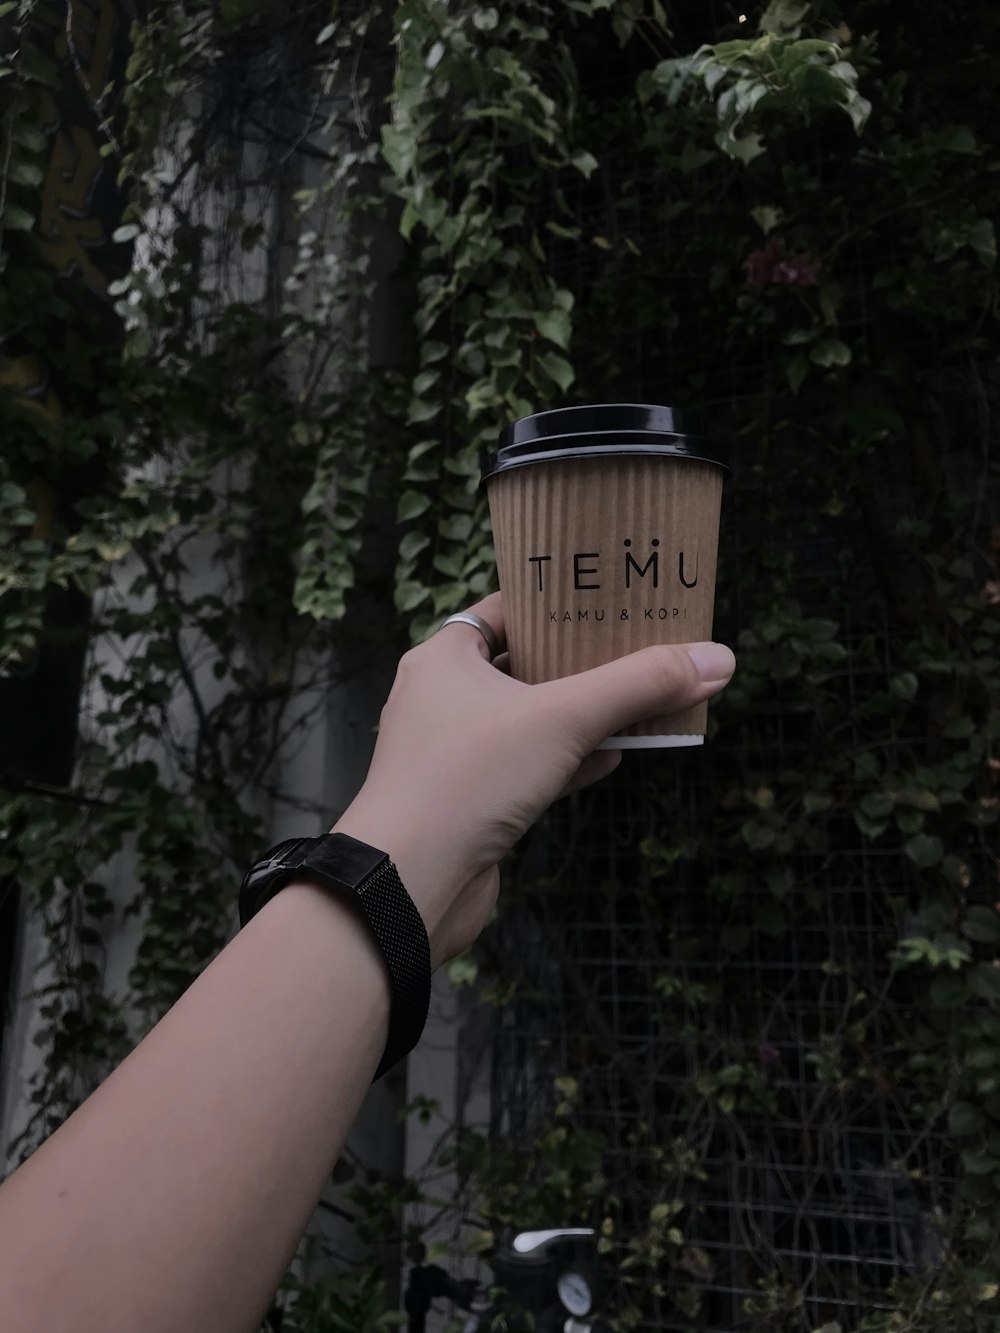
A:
[490, 610]
[661, 680]
[598, 765]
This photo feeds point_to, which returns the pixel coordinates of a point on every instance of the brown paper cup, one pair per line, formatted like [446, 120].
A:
[601, 554]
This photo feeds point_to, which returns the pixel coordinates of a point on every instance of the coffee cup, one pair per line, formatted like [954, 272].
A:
[606, 527]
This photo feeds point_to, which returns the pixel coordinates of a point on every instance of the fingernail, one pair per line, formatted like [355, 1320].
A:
[713, 661]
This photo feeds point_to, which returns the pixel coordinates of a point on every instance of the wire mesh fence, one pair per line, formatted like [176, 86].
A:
[707, 944]
[754, 1064]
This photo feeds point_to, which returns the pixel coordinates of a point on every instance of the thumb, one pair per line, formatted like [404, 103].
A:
[665, 679]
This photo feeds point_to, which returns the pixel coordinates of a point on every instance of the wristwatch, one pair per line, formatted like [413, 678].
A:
[367, 877]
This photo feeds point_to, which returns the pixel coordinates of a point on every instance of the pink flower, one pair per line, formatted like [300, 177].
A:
[768, 1054]
[799, 271]
[770, 264]
[760, 264]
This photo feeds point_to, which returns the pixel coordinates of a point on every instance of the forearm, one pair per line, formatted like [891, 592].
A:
[175, 1196]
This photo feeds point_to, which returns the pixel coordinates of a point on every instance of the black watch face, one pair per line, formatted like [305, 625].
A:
[253, 888]
[334, 861]
[264, 879]
[276, 856]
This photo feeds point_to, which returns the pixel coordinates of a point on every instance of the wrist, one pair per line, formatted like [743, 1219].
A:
[364, 878]
[307, 909]
[421, 865]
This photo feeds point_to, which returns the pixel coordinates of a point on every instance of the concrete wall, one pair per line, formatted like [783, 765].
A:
[321, 765]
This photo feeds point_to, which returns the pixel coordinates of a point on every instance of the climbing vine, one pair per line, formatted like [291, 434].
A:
[793, 223]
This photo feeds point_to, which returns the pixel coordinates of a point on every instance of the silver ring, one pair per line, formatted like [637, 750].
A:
[477, 622]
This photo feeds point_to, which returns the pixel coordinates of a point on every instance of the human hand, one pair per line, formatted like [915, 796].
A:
[467, 758]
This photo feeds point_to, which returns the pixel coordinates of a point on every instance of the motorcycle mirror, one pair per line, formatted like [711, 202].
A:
[528, 1242]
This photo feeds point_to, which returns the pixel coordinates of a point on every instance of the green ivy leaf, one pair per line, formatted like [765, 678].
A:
[422, 409]
[399, 150]
[16, 218]
[871, 828]
[564, 233]
[904, 686]
[450, 565]
[983, 981]
[557, 368]
[412, 544]
[830, 352]
[924, 850]
[796, 371]
[909, 820]
[462, 971]
[411, 505]
[480, 1242]
[409, 595]
[981, 924]
[983, 1057]
[949, 993]
[28, 136]
[585, 163]
[556, 326]
[959, 728]
[766, 217]
[958, 139]
[456, 528]
[408, 220]
[982, 237]
[743, 148]
[783, 17]
[39, 68]
[449, 597]
[28, 174]
[965, 1119]
[878, 804]
[758, 837]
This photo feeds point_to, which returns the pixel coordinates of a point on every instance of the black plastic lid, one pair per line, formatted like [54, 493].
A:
[599, 429]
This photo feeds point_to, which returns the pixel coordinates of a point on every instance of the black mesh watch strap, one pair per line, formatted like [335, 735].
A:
[343, 864]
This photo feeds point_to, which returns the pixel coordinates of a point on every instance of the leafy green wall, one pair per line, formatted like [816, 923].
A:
[788, 222]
